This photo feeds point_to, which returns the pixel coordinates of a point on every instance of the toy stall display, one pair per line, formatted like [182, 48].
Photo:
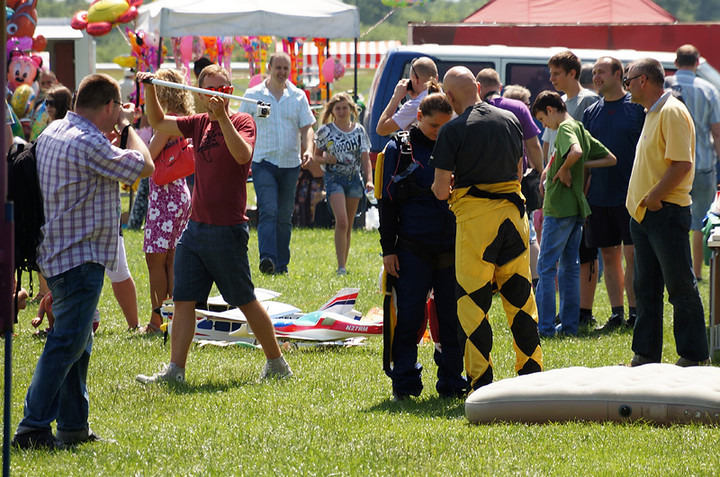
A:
[23, 62]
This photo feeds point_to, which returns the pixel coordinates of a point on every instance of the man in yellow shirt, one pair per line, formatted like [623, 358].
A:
[659, 203]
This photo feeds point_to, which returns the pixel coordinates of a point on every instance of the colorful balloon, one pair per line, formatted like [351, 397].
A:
[103, 15]
[22, 100]
[22, 69]
[339, 70]
[23, 20]
[255, 80]
[328, 70]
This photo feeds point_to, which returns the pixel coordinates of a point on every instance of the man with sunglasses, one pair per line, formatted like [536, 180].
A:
[659, 201]
[284, 144]
[213, 246]
[422, 70]
[78, 170]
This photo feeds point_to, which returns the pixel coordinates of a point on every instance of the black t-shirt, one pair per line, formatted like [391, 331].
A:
[482, 146]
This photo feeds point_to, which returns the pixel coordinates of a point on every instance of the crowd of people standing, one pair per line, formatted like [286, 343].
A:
[627, 171]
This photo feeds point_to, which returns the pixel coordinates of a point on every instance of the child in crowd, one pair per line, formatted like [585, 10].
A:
[343, 148]
[564, 209]
[417, 235]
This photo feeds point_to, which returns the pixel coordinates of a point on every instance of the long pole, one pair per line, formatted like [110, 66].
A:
[7, 265]
[263, 108]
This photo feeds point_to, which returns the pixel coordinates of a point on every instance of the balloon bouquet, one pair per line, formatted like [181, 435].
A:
[23, 64]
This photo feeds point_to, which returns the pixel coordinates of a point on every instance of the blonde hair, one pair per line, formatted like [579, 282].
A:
[327, 112]
[174, 101]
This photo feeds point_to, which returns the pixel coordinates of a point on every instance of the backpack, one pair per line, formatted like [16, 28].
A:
[24, 192]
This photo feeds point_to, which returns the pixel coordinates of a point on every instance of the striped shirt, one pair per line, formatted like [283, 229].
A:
[278, 135]
[703, 102]
[79, 171]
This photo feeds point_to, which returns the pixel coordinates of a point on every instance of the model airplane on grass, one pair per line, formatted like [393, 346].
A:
[334, 321]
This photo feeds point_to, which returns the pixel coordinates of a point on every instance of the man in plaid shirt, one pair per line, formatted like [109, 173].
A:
[79, 170]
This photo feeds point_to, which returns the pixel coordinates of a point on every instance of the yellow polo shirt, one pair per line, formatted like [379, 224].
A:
[668, 135]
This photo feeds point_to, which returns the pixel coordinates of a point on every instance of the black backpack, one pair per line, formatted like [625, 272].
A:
[24, 192]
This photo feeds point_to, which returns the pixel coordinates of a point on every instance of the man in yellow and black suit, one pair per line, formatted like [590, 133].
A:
[483, 146]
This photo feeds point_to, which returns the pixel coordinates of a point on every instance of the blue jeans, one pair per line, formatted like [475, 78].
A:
[275, 190]
[559, 257]
[59, 386]
[662, 258]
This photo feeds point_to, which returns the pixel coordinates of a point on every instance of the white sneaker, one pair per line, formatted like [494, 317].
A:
[169, 373]
[276, 369]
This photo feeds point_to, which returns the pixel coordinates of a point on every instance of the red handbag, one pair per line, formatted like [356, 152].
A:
[174, 162]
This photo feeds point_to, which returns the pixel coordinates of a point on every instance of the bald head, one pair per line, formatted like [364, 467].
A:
[461, 88]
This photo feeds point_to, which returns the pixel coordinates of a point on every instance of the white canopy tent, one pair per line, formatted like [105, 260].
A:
[283, 18]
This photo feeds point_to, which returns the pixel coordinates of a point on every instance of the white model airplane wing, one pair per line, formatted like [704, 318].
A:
[233, 314]
[281, 310]
[261, 294]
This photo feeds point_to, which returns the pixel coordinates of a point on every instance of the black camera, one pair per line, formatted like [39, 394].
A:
[263, 110]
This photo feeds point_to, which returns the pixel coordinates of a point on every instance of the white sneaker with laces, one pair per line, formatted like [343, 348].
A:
[169, 373]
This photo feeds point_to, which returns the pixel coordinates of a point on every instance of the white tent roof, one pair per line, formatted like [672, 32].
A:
[284, 18]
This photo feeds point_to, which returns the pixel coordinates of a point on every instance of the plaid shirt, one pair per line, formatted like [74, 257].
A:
[278, 135]
[79, 171]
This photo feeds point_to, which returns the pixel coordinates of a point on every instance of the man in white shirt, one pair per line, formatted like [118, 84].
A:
[284, 143]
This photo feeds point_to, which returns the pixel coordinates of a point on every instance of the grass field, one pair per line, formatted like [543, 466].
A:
[336, 417]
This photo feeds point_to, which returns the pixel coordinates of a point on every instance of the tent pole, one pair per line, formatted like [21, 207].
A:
[160, 58]
[327, 57]
[7, 407]
[355, 91]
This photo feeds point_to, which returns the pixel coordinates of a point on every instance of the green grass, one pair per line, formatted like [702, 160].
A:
[336, 416]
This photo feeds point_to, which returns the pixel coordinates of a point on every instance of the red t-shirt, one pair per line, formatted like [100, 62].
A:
[220, 194]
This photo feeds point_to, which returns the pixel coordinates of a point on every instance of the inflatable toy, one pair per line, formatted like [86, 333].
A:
[103, 15]
[255, 80]
[23, 20]
[22, 69]
[657, 393]
[22, 100]
[328, 70]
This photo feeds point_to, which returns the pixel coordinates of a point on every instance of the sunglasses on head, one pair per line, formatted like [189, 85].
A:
[221, 89]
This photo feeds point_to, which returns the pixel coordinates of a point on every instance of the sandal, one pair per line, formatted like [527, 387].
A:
[150, 329]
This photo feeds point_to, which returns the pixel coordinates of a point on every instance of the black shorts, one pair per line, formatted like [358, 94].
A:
[608, 226]
[587, 254]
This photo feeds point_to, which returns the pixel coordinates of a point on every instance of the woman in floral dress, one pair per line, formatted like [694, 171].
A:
[168, 205]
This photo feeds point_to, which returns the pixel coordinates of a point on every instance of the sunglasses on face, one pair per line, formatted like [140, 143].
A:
[221, 89]
[627, 81]
[51, 102]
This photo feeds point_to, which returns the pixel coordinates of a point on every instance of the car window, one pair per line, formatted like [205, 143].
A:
[535, 77]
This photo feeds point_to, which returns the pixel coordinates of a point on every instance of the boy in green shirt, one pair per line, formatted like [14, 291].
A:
[564, 210]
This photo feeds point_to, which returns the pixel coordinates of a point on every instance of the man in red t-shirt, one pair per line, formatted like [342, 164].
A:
[213, 247]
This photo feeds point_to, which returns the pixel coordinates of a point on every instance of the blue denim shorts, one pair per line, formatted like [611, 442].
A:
[350, 186]
[213, 253]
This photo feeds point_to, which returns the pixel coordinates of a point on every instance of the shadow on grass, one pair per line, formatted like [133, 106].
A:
[434, 406]
[207, 387]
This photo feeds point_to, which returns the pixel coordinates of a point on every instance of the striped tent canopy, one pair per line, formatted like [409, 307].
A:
[370, 53]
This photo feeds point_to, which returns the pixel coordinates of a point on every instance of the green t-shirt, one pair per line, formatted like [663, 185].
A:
[561, 201]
